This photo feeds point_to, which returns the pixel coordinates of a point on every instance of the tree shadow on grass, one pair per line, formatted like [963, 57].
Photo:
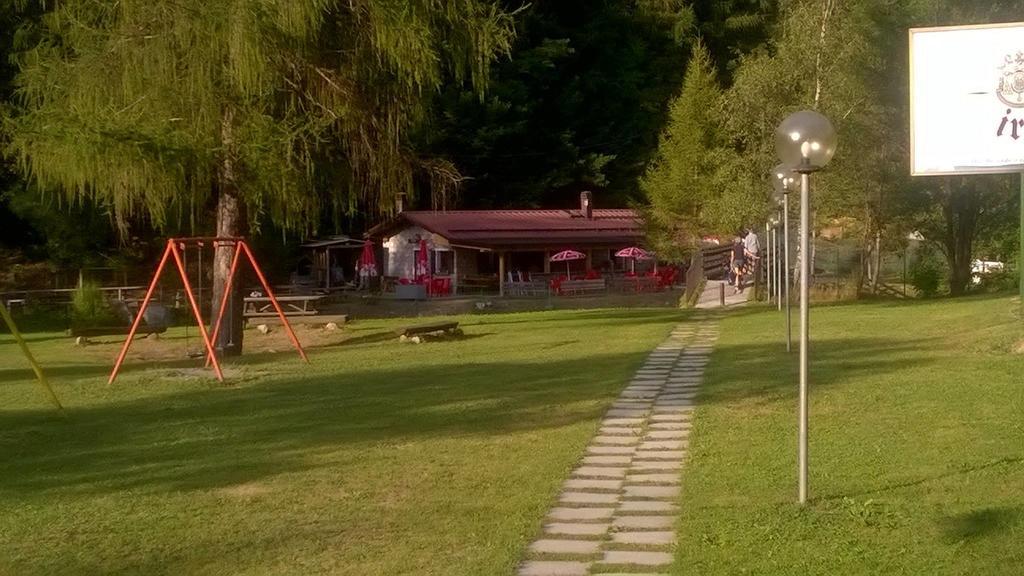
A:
[207, 439]
[767, 373]
[979, 523]
[963, 471]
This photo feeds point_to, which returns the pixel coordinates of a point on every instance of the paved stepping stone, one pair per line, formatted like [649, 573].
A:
[611, 450]
[561, 568]
[670, 395]
[643, 522]
[636, 557]
[670, 426]
[626, 413]
[674, 404]
[672, 409]
[648, 506]
[620, 430]
[606, 460]
[577, 529]
[653, 478]
[565, 547]
[592, 484]
[599, 472]
[648, 465]
[662, 445]
[564, 514]
[660, 538]
[670, 455]
[667, 434]
[632, 404]
[641, 394]
[622, 422]
[651, 492]
[616, 440]
[588, 498]
[678, 417]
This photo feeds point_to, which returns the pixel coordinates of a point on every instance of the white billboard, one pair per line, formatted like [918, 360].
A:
[967, 99]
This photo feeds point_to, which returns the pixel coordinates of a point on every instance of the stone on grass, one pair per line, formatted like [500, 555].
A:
[263, 328]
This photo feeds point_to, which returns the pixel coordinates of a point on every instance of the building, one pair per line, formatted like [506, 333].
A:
[474, 247]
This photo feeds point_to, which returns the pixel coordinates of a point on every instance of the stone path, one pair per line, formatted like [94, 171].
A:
[617, 511]
[711, 296]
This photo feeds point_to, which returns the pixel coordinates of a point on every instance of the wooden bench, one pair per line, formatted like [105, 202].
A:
[426, 329]
[578, 287]
[261, 306]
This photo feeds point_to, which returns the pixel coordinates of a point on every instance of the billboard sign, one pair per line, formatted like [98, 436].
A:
[967, 99]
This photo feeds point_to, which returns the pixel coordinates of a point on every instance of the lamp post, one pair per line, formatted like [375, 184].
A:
[783, 180]
[805, 142]
[776, 268]
[766, 267]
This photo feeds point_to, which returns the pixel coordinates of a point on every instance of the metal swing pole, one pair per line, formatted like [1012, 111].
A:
[142, 310]
[273, 300]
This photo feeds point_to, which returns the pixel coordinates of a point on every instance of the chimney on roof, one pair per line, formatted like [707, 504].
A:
[587, 204]
[399, 203]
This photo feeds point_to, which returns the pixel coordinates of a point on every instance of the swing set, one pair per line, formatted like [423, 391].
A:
[177, 249]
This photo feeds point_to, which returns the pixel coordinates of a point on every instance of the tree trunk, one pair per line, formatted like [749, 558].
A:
[231, 222]
[961, 211]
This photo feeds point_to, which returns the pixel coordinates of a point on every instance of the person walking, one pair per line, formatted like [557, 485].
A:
[737, 263]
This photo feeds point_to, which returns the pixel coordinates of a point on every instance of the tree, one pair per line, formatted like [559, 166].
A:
[250, 110]
[681, 178]
[578, 105]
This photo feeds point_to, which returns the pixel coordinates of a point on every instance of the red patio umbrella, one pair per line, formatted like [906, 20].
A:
[568, 256]
[634, 253]
[422, 261]
[367, 264]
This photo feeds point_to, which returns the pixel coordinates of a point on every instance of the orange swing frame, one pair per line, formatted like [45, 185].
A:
[174, 251]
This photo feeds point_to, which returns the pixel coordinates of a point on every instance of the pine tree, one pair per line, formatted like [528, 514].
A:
[257, 108]
[681, 176]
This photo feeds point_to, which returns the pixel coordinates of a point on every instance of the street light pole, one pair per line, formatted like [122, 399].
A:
[766, 265]
[786, 283]
[806, 142]
[805, 266]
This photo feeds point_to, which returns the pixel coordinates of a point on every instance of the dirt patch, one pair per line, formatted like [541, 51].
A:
[1019, 348]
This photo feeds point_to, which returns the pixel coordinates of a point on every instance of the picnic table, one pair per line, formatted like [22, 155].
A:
[261, 306]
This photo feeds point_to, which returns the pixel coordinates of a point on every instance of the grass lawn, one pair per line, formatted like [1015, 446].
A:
[916, 445]
[379, 458]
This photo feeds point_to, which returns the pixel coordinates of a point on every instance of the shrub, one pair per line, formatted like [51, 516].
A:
[90, 308]
[925, 277]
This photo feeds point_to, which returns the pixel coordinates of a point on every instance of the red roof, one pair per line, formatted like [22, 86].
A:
[492, 228]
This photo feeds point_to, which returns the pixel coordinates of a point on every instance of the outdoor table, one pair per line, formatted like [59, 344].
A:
[290, 305]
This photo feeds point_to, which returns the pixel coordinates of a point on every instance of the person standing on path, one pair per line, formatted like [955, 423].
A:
[737, 263]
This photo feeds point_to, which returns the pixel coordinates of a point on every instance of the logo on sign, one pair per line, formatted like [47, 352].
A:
[1011, 81]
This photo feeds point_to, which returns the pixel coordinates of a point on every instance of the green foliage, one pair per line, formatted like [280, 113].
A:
[682, 176]
[150, 107]
[89, 307]
[577, 106]
[926, 277]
